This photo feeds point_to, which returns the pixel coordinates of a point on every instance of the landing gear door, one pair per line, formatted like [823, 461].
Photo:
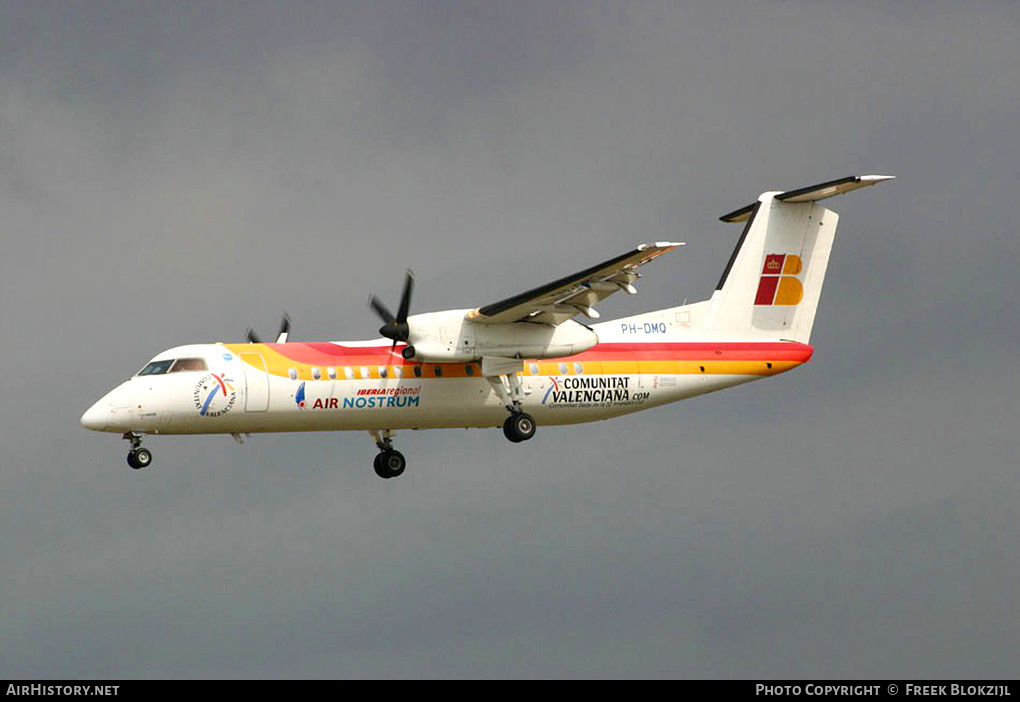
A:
[257, 382]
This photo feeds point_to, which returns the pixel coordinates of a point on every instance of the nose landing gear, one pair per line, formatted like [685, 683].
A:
[138, 457]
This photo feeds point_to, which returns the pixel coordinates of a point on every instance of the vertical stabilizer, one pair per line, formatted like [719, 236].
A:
[773, 281]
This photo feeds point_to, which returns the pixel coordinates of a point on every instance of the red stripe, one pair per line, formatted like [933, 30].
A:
[329, 354]
[735, 351]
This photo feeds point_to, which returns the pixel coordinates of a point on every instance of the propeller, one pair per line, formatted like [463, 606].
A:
[281, 337]
[395, 325]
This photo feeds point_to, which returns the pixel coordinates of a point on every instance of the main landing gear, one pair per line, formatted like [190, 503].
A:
[139, 456]
[519, 426]
[389, 463]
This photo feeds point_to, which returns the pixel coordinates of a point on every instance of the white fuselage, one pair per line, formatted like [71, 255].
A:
[336, 386]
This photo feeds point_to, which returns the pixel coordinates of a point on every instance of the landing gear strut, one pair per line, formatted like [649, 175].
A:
[139, 456]
[389, 463]
[519, 426]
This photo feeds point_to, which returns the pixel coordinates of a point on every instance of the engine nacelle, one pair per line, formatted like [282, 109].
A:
[447, 337]
[429, 351]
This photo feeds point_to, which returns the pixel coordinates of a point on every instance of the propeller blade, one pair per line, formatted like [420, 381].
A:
[281, 338]
[405, 298]
[380, 309]
[253, 338]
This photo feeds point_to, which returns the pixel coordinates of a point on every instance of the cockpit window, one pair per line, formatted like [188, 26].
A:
[157, 367]
[189, 364]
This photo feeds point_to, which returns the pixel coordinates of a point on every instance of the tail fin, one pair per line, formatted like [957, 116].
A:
[772, 284]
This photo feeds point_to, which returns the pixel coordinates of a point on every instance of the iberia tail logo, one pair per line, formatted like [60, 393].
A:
[779, 284]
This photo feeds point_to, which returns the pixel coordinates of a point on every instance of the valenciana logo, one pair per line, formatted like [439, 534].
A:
[587, 390]
[779, 284]
[214, 395]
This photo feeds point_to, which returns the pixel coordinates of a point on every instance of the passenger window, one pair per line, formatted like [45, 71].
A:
[157, 367]
[439, 371]
[292, 372]
[331, 372]
[364, 372]
[382, 372]
[563, 369]
[578, 367]
[316, 374]
[533, 368]
[398, 371]
[469, 370]
[417, 371]
[348, 373]
[189, 364]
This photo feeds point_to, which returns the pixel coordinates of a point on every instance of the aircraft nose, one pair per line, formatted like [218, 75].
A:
[96, 417]
[114, 412]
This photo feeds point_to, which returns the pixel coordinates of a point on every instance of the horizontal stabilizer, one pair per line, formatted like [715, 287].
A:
[812, 193]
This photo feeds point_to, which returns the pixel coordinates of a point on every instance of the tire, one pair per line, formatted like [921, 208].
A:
[519, 427]
[508, 430]
[139, 458]
[380, 469]
[389, 464]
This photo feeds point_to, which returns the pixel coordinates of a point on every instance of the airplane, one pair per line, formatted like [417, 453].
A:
[515, 363]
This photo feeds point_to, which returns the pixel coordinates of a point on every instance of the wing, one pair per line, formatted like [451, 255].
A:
[558, 301]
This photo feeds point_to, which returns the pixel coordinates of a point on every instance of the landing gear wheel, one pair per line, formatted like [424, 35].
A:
[389, 464]
[508, 431]
[139, 458]
[519, 427]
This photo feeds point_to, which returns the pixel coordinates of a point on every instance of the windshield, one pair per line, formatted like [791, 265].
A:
[157, 367]
[189, 364]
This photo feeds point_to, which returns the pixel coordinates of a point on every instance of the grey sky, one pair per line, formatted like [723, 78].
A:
[174, 173]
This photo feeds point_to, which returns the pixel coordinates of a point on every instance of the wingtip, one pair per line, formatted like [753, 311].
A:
[660, 245]
[872, 179]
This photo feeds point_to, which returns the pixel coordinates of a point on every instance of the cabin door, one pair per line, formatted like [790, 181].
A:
[256, 380]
